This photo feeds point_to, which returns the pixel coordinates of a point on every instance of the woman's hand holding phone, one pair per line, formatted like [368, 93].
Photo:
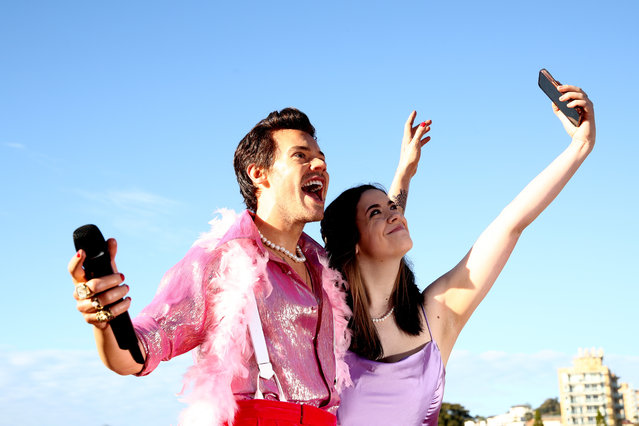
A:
[572, 106]
[577, 98]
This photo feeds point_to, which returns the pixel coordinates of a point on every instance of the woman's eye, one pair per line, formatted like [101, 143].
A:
[299, 155]
[375, 212]
[393, 206]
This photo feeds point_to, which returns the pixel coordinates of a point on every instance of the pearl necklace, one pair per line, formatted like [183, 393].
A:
[383, 317]
[298, 259]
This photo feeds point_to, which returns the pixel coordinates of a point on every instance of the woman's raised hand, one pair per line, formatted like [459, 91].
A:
[586, 132]
[412, 142]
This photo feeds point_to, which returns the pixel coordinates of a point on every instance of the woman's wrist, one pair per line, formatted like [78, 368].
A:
[582, 145]
[403, 175]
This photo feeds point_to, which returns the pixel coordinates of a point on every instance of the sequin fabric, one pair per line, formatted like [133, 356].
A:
[297, 321]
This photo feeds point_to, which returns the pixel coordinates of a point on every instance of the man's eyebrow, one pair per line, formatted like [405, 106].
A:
[304, 148]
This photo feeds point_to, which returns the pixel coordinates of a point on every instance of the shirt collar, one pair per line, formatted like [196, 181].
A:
[244, 228]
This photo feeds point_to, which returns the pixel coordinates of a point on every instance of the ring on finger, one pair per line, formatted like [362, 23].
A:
[96, 303]
[83, 291]
[104, 315]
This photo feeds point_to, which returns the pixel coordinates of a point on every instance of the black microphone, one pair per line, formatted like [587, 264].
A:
[98, 264]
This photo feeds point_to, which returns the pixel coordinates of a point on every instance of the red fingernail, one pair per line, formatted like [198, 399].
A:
[78, 254]
[423, 124]
[122, 276]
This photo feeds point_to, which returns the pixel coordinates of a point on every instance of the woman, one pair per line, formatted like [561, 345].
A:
[402, 338]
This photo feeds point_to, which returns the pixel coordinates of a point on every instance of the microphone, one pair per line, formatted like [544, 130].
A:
[98, 264]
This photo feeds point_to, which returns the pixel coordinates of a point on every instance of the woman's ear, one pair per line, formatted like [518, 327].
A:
[356, 249]
[258, 175]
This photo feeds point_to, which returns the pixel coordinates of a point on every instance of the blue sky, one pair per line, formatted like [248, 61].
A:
[127, 115]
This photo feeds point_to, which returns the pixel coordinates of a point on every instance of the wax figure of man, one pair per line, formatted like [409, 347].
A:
[203, 301]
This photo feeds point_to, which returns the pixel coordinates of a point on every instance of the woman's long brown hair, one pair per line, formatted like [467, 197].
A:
[340, 234]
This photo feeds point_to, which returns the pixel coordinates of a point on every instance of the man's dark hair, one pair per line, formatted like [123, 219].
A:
[258, 147]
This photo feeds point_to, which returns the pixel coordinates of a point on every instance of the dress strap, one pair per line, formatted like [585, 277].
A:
[426, 318]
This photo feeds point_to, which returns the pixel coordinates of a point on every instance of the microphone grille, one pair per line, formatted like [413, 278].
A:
[90, 239]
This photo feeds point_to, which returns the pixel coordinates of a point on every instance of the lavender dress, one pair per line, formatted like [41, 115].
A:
[407, 392]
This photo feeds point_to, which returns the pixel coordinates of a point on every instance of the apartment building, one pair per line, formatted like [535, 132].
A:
[587, 387]
[630, 402]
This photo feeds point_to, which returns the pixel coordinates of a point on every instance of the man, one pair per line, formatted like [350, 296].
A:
[204, 302]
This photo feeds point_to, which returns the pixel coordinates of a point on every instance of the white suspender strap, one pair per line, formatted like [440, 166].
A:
[261, 352]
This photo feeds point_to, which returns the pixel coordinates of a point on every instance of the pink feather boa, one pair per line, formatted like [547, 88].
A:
[220, 357]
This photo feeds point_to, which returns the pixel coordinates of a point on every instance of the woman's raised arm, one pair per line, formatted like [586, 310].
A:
[454, 296]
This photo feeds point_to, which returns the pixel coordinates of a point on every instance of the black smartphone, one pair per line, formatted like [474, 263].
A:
[549, 85]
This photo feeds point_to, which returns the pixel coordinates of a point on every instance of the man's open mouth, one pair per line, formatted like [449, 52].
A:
[314, 189]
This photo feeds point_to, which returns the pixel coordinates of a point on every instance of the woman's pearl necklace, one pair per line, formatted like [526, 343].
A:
[383, 317]
[299, 258]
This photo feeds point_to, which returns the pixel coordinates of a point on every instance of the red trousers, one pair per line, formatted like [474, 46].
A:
[259, 412]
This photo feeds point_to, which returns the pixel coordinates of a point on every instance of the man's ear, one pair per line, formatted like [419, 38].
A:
[258, 175]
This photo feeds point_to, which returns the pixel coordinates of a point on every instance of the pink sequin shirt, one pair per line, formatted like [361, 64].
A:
[297, 321]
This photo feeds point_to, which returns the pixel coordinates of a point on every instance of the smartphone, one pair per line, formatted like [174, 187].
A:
[549, 85]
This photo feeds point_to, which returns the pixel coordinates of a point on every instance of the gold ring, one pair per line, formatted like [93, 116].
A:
[83, 291]
[96, 303]
[104, 315]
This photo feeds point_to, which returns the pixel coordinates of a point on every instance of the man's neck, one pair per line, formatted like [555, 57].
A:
[279, 231]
